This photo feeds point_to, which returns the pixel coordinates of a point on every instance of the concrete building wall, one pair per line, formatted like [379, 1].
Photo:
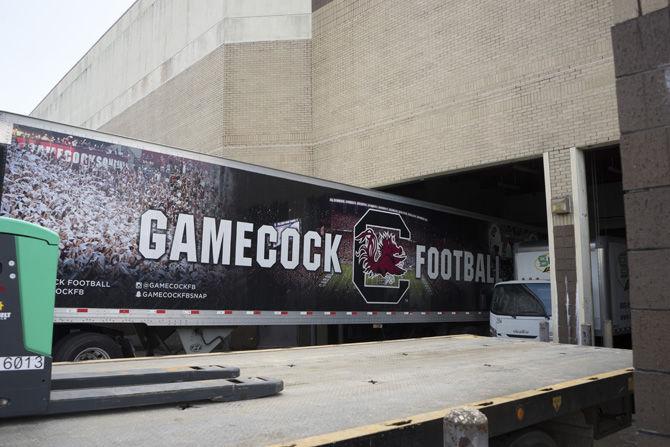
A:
[267, 107]
[410, 89]
[228, 77]
[245, 101]
[364, 92]
[642, 55]
[186, 111]
[152, 37]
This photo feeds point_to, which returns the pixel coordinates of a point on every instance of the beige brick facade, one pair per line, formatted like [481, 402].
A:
[184, 112]
[267, 107]
[411, 89]
[246, 101]
[266, 88]
[561, 181]
[389, 91]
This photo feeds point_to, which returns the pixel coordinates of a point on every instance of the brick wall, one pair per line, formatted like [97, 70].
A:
[642, 56]
[246, 101]
[267, 93]
[564, 247]
[561, 181]
[408, 89]
[267, 107]
[389, 91]
[566, 282]
[185, 112]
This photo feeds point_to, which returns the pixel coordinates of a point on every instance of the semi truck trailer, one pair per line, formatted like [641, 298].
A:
[160, 244]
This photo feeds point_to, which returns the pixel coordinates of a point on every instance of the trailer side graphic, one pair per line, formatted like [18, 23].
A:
[162, 237]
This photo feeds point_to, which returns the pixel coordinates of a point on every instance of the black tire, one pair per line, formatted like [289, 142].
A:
[463, 330]
[82, 346]
[472, 330]
[533, 438]
[456, 330]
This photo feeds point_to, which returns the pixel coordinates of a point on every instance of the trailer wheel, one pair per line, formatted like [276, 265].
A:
[472, 330]
[82, 346]
[464, 330]
[533, 438]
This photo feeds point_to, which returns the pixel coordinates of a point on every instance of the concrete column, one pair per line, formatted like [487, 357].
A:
[580, 207]
[556, 315]
[641, 45]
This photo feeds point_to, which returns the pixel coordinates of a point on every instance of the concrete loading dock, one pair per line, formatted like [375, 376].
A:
[334, 388]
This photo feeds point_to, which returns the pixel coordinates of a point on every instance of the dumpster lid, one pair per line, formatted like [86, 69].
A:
[27, 229]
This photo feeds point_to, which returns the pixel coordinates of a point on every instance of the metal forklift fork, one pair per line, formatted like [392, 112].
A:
[28, 264]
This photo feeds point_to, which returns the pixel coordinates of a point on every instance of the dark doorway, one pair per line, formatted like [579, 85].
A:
[605, 192]
[513, 191]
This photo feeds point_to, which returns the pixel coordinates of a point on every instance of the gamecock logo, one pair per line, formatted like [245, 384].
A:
[379, 258]
[380, 255]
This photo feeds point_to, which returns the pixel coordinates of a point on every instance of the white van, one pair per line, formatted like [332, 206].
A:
[518, 308]
[520, 317]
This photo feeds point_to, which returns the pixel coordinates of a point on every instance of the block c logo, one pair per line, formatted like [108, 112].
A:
[378, 261]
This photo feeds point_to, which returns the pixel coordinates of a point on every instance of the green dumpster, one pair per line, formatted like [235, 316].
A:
[28, 264]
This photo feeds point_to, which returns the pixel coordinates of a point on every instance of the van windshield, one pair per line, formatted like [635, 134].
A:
[543, 292]
[526, 300]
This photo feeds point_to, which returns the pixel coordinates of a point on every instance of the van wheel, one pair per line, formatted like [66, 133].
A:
[82, 346]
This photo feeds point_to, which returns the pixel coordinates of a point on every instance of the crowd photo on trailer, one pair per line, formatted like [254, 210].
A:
[91, 193]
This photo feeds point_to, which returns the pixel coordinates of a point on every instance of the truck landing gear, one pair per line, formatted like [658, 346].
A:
[200, 340]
